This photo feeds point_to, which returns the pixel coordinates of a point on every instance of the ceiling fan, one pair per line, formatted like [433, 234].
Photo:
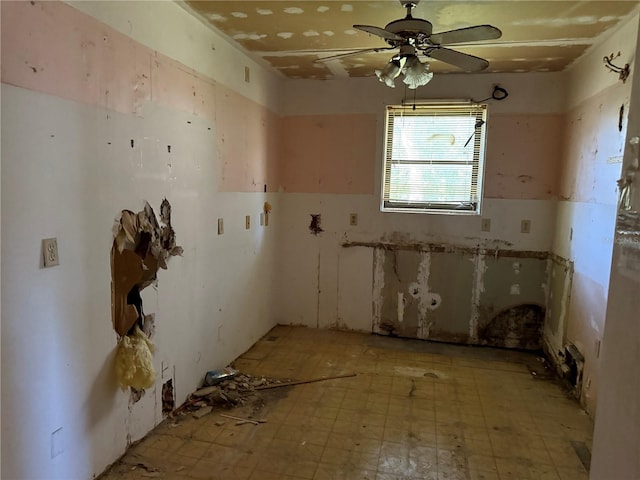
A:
[413, 36]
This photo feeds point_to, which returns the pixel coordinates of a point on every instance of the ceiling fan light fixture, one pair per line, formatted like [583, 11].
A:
[390, 72]
[416, 73]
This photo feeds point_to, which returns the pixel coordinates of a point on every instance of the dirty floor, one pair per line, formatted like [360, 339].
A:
[415, 410]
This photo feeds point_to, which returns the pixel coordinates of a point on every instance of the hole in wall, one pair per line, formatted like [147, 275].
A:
[572, 369]
[168, 397]
[314, 226]
[142, 245]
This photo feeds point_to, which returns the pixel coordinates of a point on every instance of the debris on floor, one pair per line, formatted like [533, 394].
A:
[234, 390]
[202, 411]
[242, 421]
[216, 376]
[300, 382]
[474, 413]
[541, 370]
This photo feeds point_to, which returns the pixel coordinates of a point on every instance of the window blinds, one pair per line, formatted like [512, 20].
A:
[433, 157]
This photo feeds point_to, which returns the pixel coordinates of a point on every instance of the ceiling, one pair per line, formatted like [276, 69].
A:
[537, 36]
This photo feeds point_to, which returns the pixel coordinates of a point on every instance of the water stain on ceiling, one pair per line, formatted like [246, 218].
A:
[537, 36]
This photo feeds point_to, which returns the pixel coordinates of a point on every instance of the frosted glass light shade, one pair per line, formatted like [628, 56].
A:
[389, 73]
[416, 74]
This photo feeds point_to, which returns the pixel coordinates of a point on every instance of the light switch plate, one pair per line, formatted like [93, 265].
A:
[50, 252]
[525, 226]
[247, 222]
[486, 225]
[220, 226]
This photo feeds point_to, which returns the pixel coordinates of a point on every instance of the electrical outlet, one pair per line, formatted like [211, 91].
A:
[220, 226]
[262, 219]
[247, 222]
[486, 225]
[50, 252]
[525, 226]
[56, 443]
[353, 219]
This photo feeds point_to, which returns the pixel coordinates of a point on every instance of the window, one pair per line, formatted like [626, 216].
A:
[434, 157]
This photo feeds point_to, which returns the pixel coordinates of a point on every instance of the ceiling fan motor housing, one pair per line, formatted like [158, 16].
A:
[410, 26]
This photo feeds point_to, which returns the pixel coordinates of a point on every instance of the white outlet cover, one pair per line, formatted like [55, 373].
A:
[50, 252]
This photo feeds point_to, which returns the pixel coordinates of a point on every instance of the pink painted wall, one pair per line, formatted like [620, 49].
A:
[523, 155]
[337, 154]
[329, 154]
[54, 49]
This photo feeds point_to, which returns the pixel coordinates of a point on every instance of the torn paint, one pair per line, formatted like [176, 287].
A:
[314, 226]
[401, 303]
[478, 289]
[141, 246]
[450, 248]
[427, 300]
[378, 285]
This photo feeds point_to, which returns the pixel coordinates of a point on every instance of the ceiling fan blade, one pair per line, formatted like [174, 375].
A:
[469, 34]
[461, 60]
[349, 54]
[380, 32]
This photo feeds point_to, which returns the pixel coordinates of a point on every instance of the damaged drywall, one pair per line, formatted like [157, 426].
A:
[511, 307]
[314, 226]
[515, 327]
[459, 294]
[142, 245]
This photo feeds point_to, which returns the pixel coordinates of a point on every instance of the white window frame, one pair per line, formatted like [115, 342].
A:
[476, 138]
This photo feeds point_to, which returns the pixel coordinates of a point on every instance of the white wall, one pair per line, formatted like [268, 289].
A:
[584, 231]
[68, 171]
[617, 429]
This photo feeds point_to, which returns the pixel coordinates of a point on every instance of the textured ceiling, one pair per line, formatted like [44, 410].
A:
[537, 36]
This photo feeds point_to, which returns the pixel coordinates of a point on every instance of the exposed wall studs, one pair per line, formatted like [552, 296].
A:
[220, 226]
[525, 226]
